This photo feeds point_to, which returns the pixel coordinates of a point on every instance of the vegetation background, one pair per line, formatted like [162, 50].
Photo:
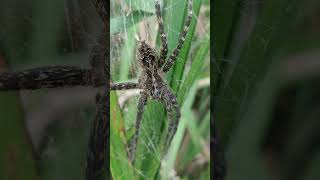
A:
[266, 88]
[44, 133]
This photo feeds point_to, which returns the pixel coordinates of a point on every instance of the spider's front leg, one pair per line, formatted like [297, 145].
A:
[182, 37]
[123, 86]
[163, 36]
[46, 77]
[101, 7]
[98, 152]
[171, 107]
[142, 102]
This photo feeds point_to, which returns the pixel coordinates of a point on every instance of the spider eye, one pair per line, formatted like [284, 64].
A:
[146, 61]
[152, 59]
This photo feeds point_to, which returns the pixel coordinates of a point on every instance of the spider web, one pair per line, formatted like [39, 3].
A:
[124, 67]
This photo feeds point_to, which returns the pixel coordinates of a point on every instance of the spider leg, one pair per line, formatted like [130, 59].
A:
[182, 37]
[123, 86]
[171, 107]
[141, 105]
[163, 36]
[61, 76]
[98, 152]
[98, 60]
[101, 7]
[46, 77]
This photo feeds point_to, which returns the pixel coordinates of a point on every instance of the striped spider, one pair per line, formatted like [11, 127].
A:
[151, 80]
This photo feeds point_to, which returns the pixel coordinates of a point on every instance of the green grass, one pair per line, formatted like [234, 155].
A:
[183, 76]
[264, 90]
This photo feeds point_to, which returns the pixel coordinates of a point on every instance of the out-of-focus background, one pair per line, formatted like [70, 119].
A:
[266, 78]
[44, 133]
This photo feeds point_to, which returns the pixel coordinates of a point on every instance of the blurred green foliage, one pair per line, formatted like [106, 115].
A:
[35, 34]
[266, 78]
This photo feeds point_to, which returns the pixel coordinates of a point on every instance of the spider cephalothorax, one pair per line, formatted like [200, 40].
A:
[146, 56]
[150, 79]
[151, 82]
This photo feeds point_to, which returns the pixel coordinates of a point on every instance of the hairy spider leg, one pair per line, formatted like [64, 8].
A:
[98, 153]
[163, 36]
[46, 77]
[171, 105]
[122, 86]
[98, 58]
[142, 102]
[61, 76]
[101, 7]
[182, 37]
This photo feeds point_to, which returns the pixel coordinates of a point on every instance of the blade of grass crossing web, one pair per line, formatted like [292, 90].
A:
[127, 54]
[142, 5]
[180, 65]
[119, 24]
[195, 69]
[120, 165]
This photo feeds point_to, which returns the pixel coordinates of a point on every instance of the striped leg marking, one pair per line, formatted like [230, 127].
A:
[163, 36]
[182, 37]
[171, 107]
[123, 86]
[133, 145]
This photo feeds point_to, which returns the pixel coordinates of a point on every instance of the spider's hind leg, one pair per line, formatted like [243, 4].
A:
[123, 86]
[133, 144]
[171, 107]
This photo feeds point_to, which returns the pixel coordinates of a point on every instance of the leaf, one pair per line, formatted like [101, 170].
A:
[239, 79]
[120, 165]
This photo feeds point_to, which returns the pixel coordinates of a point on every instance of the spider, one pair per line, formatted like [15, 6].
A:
[151, 80]
[69, 76]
